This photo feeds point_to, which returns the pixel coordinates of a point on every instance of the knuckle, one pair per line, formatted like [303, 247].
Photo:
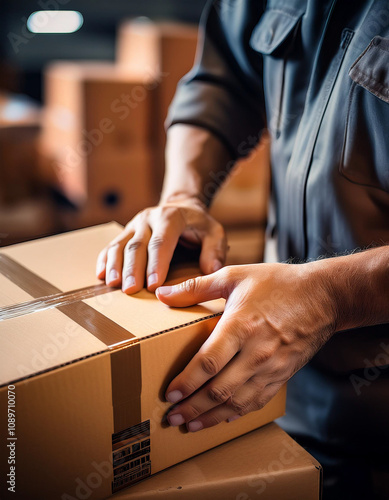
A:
[187, 387]
[219, 231]
[189, 286]
[258, 357]
[209, 365]
[260, 402]
[192, 411]
[238, 406]
[212, 420]
[219, 395]
[134, 245]
[114, 246]
[226, 272]
[168, 212]
[156, 242]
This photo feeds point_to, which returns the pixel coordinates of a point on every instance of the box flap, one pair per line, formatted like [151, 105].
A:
[67, 261]
[41, 341]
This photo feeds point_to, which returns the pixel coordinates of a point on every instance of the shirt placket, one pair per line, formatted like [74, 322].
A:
[318, 95]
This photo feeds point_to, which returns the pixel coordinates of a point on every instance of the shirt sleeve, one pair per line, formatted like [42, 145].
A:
[223, 92]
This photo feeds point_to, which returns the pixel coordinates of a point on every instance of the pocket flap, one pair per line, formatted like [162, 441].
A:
[273, 28]
[371, 69]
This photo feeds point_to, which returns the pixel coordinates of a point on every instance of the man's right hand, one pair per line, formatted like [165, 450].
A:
[146, 245]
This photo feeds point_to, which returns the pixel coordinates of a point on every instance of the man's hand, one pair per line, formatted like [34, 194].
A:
[145, 247]
[277, 316]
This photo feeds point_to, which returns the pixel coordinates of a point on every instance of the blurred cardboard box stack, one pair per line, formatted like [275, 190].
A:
[96, 146]
[89, 366]
[102, 145]
[20, 122]
[103, 138]
[165, 49]
[241, 205]
[26, 210]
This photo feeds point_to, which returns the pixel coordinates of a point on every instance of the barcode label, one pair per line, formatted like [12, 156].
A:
[131, 455]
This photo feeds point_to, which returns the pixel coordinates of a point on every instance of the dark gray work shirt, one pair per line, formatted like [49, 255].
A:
[315, 73]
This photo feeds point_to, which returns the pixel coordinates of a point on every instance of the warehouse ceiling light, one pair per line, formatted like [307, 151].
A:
[55, 21]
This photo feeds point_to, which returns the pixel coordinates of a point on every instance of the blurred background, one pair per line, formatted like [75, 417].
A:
[84, 91]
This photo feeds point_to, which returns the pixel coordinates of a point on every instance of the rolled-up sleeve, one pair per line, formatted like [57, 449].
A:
[223, 92]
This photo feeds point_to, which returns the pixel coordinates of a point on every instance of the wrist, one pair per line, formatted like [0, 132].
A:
[183, 198]
[357, 285]
[325, 290]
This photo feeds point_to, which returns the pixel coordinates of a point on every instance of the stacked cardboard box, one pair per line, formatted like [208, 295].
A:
[241, 205]
[97, 139]
[265, 464]
[165, 49]
[85, 367]
[26, 211]
[20, 122]
[103, 140]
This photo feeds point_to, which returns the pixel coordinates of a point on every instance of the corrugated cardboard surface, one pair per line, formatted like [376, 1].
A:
[265, 464]
[63, 428]
[91, 374]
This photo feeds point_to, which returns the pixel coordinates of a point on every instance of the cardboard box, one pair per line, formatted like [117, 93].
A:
[243, 198]
[266, 464]
[88, 367]
[20, 123]
[245, 245]
[163, 49]
[32, 217]
[95, 111]
[116, 189]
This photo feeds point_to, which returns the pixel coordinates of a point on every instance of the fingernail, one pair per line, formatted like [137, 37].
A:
[195, 426]
[174, 396]
[100, 268]
[165, 290]
[176, 419]
[235, 417]
[152, 279]
[216, 266]
[113, 275]
[130, 281]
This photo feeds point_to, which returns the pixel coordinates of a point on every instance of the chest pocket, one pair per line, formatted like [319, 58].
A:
[276, 38]
[274, 29]
[365, 157]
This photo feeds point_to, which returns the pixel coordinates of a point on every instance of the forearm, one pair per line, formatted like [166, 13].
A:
[196, 163]
[359, 287]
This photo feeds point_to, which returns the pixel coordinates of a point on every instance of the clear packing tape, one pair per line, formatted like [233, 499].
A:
[53, 300]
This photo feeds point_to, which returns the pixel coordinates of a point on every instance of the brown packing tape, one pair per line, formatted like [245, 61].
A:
[126, 386]
[69, 303]
[22, 277]
[125, 363]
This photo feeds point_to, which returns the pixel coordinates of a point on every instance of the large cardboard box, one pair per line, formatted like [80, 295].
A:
[266, 464]
[83, 370]
[96, 112]
[163, 49]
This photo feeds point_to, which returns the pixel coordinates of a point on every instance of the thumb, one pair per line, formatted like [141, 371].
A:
[193, 291]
